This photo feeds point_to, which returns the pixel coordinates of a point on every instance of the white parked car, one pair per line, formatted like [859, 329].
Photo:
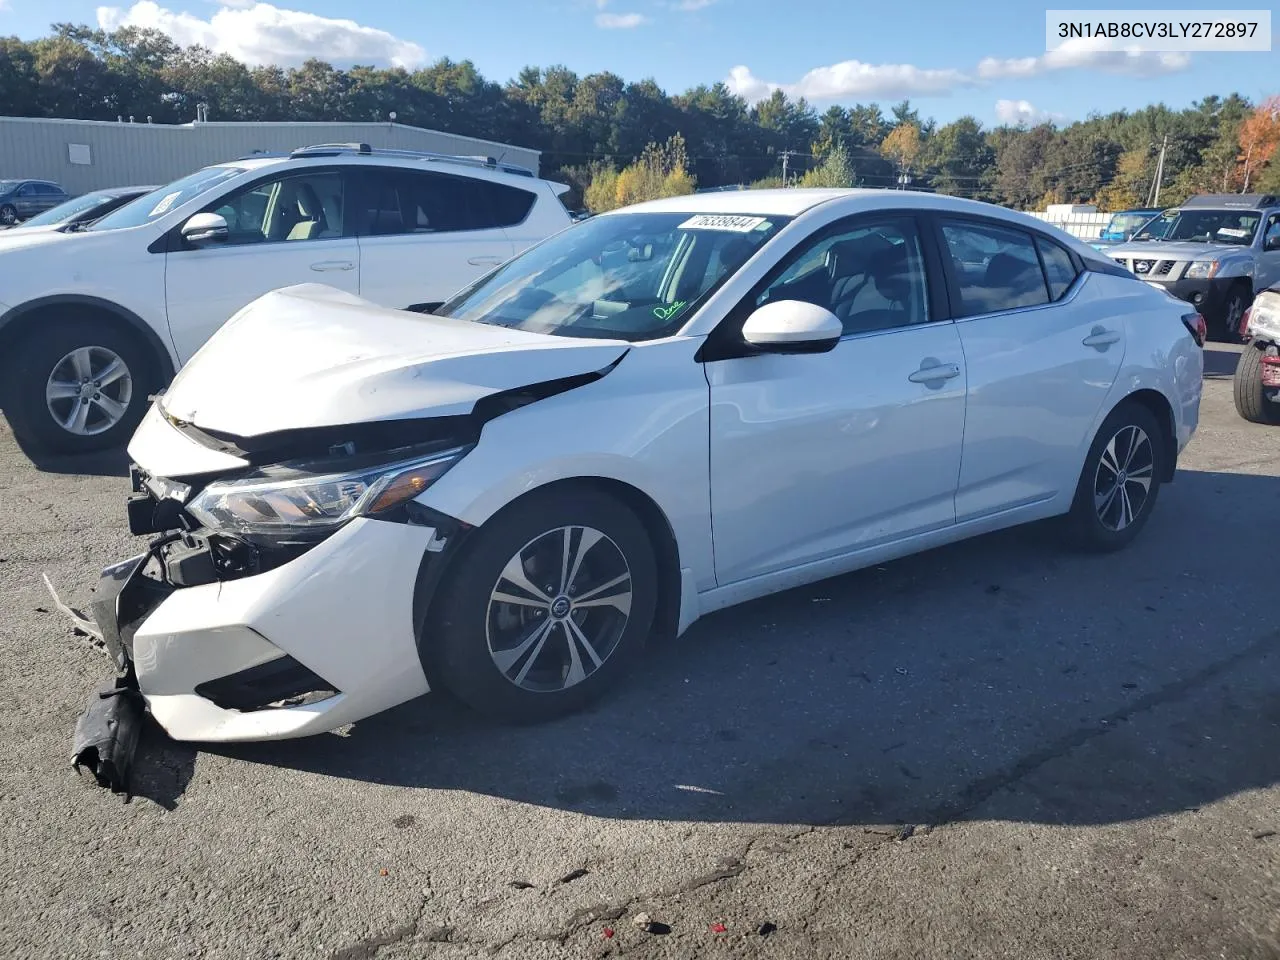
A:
[655, 414]
[93, 322]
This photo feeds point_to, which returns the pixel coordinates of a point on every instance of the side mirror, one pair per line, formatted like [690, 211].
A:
[204, 229]
[792, 326]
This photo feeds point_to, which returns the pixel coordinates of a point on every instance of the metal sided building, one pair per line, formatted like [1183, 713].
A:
[85, 155]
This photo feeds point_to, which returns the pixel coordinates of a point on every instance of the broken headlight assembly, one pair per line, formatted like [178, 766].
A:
[291, 498]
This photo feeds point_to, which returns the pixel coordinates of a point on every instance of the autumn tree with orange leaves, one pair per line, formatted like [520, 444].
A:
[1259, 137]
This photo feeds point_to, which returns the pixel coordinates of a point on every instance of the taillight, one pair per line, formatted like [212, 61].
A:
[1196, 326]
[1271, 371]
[1244, 322]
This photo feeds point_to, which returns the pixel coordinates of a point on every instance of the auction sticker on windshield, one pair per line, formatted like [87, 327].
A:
[709, 221]
[165, 203]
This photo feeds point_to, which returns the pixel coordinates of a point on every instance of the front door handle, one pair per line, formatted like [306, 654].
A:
[1101, 337]
[485, 261]
[325, 265]
[933, 372]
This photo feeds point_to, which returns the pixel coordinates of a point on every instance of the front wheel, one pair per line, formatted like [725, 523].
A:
[548, 608]
[1120, 481]
[77, 386]
[1233, 312]
[1246, 389]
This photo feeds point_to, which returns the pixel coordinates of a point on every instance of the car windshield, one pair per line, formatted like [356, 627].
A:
[65, 211]
[7, 185]
[151, 206]
[630, 276]
[1123, 223]
[1205, 226]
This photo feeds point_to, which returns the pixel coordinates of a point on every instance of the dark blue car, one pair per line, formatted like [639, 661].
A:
[20, 199]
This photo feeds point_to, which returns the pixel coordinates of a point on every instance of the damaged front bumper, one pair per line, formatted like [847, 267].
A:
[324, 639]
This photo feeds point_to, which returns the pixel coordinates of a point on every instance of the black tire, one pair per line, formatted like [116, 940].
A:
[35, 360]
[1083, 526]
[1238, 299]
[456, 639]
[1246, 389]
[8, 215]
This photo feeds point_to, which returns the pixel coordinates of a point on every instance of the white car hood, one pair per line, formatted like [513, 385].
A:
[27, 237]
[313, 356]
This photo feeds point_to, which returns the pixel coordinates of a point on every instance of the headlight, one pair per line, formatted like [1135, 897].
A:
[289, 497]
[1201, 269]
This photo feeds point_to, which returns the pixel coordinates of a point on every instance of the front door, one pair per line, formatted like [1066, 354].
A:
[284, 230]
[818, 455]
[1268, 274]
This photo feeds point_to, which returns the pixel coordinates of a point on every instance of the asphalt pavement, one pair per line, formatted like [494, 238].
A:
[998, 749]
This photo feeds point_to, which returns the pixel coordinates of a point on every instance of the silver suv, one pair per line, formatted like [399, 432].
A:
[1216, 251]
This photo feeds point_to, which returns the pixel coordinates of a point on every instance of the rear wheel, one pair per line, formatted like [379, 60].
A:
[548, 608]
[8, 215]
[1120, 481]
[79, 385]
[1246, 389]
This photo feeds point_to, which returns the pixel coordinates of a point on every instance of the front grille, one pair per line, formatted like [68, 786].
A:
[1162, 268]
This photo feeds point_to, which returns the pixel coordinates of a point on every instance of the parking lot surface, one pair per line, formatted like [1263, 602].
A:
[998, 749]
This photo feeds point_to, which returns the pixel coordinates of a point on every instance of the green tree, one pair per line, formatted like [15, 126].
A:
[836, 170]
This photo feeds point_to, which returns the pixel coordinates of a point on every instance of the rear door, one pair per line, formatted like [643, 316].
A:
[285, 229]
[424, 234]
[1041, 353]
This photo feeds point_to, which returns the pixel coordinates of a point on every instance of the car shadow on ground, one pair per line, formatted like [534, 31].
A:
[1127, 685]
[113, 462]
[1220, 361]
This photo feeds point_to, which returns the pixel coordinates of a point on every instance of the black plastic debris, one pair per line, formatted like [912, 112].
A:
[107, 734]
[766, 928]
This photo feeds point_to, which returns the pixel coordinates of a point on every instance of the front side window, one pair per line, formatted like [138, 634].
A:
[301, 207]
[996, 268]
[1203, 226]
[632, 276]
[151, 206]
[1272, 239]
[871, 276]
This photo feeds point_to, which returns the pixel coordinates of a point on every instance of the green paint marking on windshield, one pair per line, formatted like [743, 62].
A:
[666, 313]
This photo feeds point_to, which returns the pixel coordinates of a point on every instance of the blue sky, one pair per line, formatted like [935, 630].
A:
[950, 58]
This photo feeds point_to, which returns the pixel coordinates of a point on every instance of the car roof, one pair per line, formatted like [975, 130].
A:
[439, 165]
[794, 201]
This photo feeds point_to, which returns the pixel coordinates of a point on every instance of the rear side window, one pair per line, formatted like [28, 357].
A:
[995, 268]
[410, 202]
[1058, 267]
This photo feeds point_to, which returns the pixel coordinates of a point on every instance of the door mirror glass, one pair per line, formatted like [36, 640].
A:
[204, 229]
[792, 326]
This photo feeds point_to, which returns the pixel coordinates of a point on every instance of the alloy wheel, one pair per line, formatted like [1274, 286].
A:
[89, 391]
[1122, 483]
[558, 609]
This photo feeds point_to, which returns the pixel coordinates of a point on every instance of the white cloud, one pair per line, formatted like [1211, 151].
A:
[852, 78]
[689, 6]
[1021, 113]
[259, 33]
[1086, 54]
[620, 21]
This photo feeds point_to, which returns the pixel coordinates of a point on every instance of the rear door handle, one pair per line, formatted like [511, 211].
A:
[1101, 337]
[934, 372]
[485, 261]
[325, 265]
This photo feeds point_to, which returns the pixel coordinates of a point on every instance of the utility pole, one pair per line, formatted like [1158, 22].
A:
[1153, 196]
[786, 156]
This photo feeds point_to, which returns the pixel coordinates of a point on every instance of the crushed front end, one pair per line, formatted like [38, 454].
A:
[276, 595]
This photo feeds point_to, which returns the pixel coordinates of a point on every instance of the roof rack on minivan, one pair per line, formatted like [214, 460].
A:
[363, 149]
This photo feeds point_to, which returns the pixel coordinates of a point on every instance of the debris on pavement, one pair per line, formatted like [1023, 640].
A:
[649, 925]
[718, 927]
[766, 928]
[608, 933]
[573, 875]
[106, 736]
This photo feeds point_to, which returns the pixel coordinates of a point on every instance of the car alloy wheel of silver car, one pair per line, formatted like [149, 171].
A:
[89, 390]
[558, 609]
[1123, 480]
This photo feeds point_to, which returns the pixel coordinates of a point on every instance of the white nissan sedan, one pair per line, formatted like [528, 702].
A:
[652, 415]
